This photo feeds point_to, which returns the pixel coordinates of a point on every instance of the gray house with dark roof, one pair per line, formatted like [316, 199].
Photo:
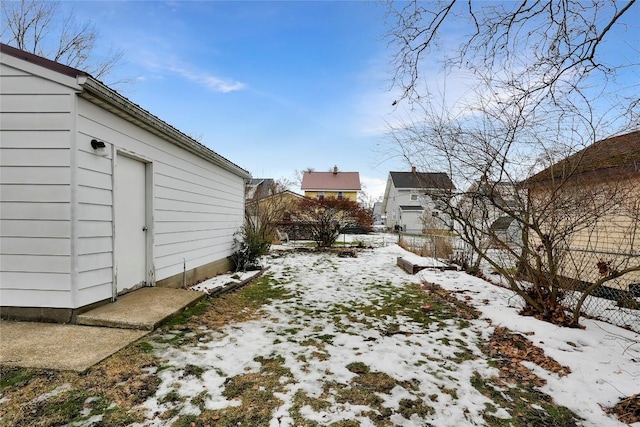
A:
[259, 188]
[505, 231]
[412, 201]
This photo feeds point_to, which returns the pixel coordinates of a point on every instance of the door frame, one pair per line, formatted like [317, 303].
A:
[149, 217]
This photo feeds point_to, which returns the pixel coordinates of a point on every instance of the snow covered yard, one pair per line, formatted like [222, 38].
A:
[322, 340]
[349, 343]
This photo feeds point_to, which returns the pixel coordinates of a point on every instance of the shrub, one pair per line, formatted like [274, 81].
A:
[249, 244]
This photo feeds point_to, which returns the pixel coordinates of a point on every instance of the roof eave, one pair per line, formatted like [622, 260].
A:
[96, 91]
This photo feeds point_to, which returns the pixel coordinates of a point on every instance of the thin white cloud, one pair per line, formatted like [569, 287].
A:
[373, 186]
[161, 65]
[207, 80]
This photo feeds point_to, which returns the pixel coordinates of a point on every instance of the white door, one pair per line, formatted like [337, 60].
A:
[130, 227]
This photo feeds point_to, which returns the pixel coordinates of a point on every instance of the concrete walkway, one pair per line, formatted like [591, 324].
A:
[145, 308]
[61, 347]
[100, 332]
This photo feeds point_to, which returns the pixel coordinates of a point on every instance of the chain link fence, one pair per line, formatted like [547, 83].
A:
[617, 301]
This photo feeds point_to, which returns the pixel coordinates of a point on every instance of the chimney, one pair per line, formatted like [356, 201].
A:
[413, 169]
[335, 170]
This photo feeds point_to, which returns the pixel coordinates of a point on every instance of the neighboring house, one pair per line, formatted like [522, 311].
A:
[413, 201]
[597, 191]
[378, 219]
[269, 206]
[505, 232]
[99, 197]
[491, 208]
[259, 188]
[337, 184]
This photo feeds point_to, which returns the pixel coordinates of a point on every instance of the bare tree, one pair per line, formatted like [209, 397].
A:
[550, 43]
[299, 174]
[540, 92]
[327, 217]
[265, 211]
[41, 27]
[366, 199]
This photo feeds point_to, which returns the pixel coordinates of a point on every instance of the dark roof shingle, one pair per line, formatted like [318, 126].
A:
[422, 180]
[502, 223]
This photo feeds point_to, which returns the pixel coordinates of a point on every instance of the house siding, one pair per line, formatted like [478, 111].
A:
[36, 122]
[197, 206]
[410, 221]
[57, 195]
[611, 238]
[349, 195]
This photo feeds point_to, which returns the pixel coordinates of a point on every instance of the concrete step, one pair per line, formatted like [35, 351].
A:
[144, 308]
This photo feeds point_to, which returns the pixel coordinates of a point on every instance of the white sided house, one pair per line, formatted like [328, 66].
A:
[412, 201]
[99, 197]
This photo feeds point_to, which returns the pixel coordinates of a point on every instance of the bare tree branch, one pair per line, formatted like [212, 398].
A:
[40, 27]
[532, 106]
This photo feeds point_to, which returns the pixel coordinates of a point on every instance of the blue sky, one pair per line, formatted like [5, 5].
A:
[279, 86]
[273, 86]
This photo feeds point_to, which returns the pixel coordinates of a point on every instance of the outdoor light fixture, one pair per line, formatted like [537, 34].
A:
[95, 144]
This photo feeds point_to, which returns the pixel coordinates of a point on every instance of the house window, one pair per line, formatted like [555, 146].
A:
[414, 197]
[320, 195]
[435, 213]
[340, 195]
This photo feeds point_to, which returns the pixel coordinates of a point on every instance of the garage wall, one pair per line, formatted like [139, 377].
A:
[197, 206]
[36, 122]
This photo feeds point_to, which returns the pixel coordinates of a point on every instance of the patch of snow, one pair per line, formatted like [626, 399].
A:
[224, 280]
[423, 261]
[56, 391]
[604, 359]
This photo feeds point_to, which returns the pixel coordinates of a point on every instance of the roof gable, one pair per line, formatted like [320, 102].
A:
[286, 194]
[502, 223]
[421, 180]
[41, 61]
[331, 181]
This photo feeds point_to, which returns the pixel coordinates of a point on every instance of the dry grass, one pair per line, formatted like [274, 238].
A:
[627, 410]
[119, 384]
[113, 387]
[433, 246]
